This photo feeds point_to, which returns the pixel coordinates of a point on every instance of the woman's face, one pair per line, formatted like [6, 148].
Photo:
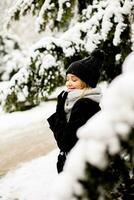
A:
[73, 82]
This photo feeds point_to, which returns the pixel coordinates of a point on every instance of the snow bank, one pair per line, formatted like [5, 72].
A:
[31, 181]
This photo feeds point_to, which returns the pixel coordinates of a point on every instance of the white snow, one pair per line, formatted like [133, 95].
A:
[18, 120]
[110, 12]
[30, 180]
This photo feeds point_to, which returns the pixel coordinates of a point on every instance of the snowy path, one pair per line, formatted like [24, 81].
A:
[31, 181]
[25, 136]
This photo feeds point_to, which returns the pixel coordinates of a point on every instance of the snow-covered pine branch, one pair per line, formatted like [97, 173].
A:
[100, 166]
[55, 14]
[21, 7]
[33, 83]
[104, 24]
[11, 56]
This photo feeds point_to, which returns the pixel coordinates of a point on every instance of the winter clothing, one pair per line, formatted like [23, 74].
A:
[88, 69]
[76, 107]
[60, 104]
[79, 106]
[94, 94]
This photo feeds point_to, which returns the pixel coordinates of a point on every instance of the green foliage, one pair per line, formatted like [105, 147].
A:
[12, 103]
[92, 17]
[50, 14]
[116, 182]
[60, 20]
[112, 67]
[23, 7]
[35, 89]
[65, 20]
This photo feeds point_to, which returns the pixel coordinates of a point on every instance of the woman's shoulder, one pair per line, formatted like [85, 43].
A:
[85, 107]
[86, 101]
[86, 104]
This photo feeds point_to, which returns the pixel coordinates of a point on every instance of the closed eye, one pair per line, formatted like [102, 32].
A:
[74, 80]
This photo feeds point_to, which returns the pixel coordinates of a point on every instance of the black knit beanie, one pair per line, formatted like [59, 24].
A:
[88, 70]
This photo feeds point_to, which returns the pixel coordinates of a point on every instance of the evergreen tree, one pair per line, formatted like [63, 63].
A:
[77, 27]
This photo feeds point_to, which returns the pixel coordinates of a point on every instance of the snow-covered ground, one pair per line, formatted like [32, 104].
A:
[31, 181]
[25, 136]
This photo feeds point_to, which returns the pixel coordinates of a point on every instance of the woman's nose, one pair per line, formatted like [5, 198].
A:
[68, 83]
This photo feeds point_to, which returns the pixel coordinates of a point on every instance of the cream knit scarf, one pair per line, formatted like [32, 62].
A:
[73, 96]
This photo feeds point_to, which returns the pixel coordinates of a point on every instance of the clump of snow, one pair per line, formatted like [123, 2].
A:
[128, 66]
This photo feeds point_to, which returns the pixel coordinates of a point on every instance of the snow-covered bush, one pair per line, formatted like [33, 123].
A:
[11, 56]
[42, 72]
[106, 24]
[33, 83]
[101, 165]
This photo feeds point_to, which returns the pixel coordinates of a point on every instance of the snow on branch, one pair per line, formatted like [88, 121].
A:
[54, 14]
[33, 82]
[11, 56]
[114, 14]
[49, 12]
[21, 8]
[105, 24]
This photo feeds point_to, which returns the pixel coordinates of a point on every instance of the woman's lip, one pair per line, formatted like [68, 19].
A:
[71, 88]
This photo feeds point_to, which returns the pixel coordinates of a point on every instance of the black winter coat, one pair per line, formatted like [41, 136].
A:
[65, 132]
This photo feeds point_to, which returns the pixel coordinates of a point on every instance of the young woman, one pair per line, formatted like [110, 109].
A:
[76, 105]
